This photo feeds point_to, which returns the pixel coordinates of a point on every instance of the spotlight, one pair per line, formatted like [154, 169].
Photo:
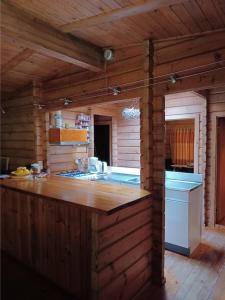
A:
[3, 111]
[67, 101]
[38, 105]
[173, 79]
[116, 91]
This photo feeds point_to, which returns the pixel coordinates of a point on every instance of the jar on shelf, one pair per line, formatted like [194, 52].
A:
[58, 119]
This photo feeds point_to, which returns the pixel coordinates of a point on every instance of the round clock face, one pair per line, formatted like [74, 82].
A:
[108, 54]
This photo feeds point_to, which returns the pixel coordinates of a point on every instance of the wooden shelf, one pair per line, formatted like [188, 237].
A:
[61, 136]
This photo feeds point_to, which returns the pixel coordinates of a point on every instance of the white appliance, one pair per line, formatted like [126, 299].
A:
[93, 164]
[183, 211]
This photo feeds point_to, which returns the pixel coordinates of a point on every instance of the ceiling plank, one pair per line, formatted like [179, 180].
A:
[116, 14]
[42, 38]
[16, 60]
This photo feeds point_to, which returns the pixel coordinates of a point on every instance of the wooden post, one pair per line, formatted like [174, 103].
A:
[146, 118]
[39, 124]
[153, 160]
[158, 208]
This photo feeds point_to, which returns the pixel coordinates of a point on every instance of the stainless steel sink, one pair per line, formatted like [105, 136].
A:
[117, 178]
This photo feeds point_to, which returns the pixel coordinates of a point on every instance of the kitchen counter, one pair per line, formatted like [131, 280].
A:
[84, 236]
[104, 198]
[181, 185]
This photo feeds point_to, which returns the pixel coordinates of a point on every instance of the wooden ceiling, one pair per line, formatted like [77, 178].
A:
[100, 23]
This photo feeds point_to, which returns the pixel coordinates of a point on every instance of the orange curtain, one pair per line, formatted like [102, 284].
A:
[182, 146]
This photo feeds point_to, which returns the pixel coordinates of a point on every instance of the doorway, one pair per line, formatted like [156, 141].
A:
[102, 138]
[220, 190]
[179, 146]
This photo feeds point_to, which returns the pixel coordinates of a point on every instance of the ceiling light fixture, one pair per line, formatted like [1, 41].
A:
[38, 105]
[3, 111]
[131, 112]
[67, 101]
[173, 79]
[115, 91]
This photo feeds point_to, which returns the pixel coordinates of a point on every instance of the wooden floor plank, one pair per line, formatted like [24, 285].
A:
[201, 277]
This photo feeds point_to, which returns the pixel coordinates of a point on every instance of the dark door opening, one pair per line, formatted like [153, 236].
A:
[102, 138]
[220, 211]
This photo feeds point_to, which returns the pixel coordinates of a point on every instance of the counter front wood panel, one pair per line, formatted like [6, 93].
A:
[122, 243]
[51, 237]
[92, 256]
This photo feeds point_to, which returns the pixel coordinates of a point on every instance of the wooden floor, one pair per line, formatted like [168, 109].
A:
[201, 277]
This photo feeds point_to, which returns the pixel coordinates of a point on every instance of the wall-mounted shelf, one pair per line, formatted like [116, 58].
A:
[61, 136]
[69, 143]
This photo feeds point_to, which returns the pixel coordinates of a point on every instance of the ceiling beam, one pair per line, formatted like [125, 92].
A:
[16, 60]
[116, 14]
[44, 39]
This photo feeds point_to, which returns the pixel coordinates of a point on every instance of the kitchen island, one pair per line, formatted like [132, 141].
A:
[92, 239]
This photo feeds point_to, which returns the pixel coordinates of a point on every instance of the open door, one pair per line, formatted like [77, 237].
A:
[103, 138]
[221, 172]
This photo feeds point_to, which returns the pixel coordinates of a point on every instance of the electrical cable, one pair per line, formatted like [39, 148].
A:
[158, 77]
[86, 97]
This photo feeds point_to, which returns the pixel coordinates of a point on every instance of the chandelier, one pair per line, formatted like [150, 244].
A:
[131, 112]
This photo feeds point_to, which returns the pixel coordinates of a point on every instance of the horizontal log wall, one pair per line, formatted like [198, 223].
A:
[190, 57]
[125, 139]
[128, 138]
[18, 131]
[125, 68]
[216, 109]
[121, 266]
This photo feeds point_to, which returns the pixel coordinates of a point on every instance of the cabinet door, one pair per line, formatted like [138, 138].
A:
[176, 222]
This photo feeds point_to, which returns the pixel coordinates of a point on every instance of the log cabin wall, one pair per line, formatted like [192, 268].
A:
[126, 68]
[171, 56]
[125, 139]
[215, 109]
[198, 64]
[122, 245]
[18, 131]
[128, 139]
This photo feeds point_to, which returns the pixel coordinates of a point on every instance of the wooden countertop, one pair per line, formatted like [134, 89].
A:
[103, 198]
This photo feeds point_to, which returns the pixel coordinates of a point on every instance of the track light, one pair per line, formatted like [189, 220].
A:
[173, 79]
[38, 106]
[116, 91]
[66, 101]
[3, 111]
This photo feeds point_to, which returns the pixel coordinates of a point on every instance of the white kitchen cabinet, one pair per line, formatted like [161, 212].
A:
[183, 212]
